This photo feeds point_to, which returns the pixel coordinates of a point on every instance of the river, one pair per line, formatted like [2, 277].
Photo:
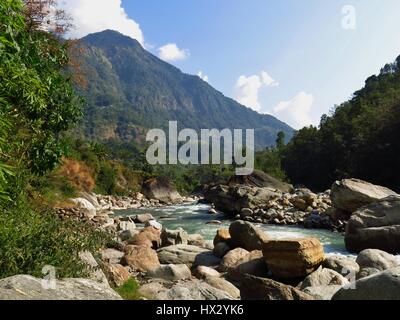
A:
[193, 219]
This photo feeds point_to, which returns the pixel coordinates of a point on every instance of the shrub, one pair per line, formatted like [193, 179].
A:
[31, 239]
[129, 290]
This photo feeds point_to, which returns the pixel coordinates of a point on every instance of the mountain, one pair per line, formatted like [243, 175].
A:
[130, 90]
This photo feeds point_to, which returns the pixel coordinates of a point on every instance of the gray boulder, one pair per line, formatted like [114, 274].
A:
[261, 180]
[375, 226]
[341, 264]
[161, 189]
[171, 272]
[189, 255]
[323, 277]
[232, 199]
[373, 261]
[352, 194]
[254, 288]
[382, 286]
[23, 287]
[183, 290]
[322, 292]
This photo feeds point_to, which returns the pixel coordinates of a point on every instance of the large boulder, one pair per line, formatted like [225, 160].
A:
[189, 255]
[92, 267]
[147, 237]
[171, 272]
[232, 199]
[223, 236]
[174, 237]
[375, 226]
[381, 286]
[352, 194]
[245, 235]
[323, 277]
[140, 258]
[322, 292]
[202, 272]
[373, 261]
[341, 264]
[254, 288]
[261, 180]
[253, 264]
[23, 287]
[231, 259]
[88, 208]
[161, 189]
[116, 274]
[293, 258]
[223, 285]
[111, 256]
[183, 290]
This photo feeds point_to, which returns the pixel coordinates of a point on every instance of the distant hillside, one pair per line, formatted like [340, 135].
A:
[130, 90]
[359, 140]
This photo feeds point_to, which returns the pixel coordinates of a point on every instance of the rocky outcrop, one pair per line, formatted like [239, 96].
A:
[293, 258]
[189, 255]
[88, 208]
[23, 287]
[161, 189]
[375, 226]
[234, 198]
[352, 194]
[382, 286]
[140, 258]
[245, 235]
[254, 288]
[260, 179]
[373, 261]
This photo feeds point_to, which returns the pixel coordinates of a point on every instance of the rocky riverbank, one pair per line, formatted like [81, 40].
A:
[242, 262]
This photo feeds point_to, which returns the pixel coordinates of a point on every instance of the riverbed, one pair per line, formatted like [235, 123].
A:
[194, 217]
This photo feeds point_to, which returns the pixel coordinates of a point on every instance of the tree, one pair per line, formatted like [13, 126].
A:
[280, 140]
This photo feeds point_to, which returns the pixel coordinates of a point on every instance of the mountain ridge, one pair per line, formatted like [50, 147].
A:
[131, 90]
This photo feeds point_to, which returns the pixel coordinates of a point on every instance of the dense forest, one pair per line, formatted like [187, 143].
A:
[360, 139]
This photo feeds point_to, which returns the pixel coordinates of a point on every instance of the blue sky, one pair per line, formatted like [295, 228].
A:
[290, 58]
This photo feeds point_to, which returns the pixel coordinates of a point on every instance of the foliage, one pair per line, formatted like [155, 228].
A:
[37, 103]
[32, 238]
[359, 139]
[129, 290]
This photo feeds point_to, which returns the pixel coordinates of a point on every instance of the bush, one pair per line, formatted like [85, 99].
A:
[129, 290]
[31, 239]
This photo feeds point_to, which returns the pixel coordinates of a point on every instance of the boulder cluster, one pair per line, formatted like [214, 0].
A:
[368, 215]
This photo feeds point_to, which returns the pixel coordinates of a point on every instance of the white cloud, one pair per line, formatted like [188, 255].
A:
[247, 89]
[171, 52]
[202, 76]
[94, 16]
[297, 111]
